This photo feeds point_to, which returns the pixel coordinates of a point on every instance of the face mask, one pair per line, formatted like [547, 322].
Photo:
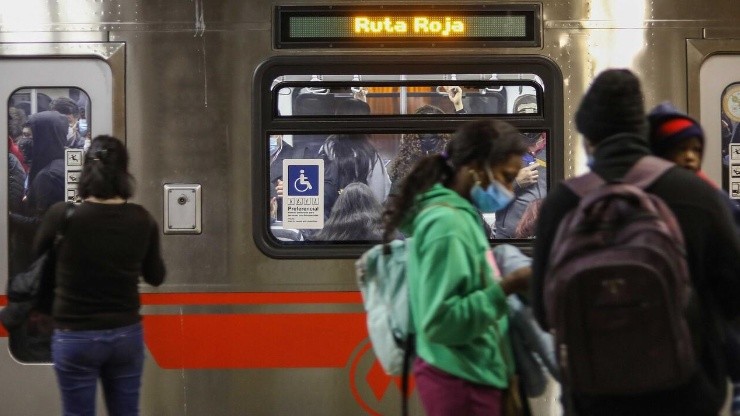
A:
[428, 141]
[495, 198]
[590, 161]
[70, 132]
[273, 146]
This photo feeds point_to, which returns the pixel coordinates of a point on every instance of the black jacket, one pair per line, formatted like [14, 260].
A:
[713, 254]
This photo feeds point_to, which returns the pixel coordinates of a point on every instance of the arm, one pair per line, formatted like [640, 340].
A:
[47, 231]
[724, 261]
[517, 281]
[152, 268]
[555, 206]
[449, 313]
[515, 266]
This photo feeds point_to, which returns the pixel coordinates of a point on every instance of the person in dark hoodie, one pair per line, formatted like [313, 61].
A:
[45, 179]
[46, 176]
[679, 138]
[611, 118]
[45, 188]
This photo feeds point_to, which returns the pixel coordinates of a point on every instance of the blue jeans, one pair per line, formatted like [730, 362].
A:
[115, 356]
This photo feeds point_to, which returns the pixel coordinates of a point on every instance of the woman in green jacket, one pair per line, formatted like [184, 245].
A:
[458, 310]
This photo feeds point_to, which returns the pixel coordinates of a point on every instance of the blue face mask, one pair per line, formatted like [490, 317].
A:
[273, 146]
[494, 198]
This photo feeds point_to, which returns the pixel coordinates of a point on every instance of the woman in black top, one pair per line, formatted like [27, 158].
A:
[108, 244]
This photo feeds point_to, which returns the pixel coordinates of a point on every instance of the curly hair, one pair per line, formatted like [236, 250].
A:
[410, 151]
[488, 142]
[16, 119]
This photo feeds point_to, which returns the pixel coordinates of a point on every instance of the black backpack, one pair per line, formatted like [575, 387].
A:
[617, 288]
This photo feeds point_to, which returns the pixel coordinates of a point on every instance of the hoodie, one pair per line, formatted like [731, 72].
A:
[458, 311]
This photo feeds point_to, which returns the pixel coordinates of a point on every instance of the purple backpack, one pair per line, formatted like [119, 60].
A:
[617, 288]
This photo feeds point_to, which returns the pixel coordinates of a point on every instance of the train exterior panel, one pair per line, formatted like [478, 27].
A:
[247, 322]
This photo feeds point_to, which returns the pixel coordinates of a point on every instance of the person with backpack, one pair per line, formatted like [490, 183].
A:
[679, 138]
[459, 314]
[687, 374]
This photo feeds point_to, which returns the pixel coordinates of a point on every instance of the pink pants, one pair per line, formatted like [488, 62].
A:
[443, 394]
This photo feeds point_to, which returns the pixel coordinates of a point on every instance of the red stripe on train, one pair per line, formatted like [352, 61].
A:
[314, 340]
[249, 298]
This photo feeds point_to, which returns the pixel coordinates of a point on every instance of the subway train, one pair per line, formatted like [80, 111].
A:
[245, 120]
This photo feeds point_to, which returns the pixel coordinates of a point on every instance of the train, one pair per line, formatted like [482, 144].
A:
[258, 316]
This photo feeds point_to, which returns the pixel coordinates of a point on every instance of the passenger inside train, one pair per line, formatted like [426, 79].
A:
[45, 122]
[381, 159]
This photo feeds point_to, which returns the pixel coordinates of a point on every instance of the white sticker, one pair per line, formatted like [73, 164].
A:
[303, 194]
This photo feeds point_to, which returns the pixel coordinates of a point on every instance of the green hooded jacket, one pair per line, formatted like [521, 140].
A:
[459, 313]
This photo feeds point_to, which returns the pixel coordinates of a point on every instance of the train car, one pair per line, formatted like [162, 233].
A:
[237, 115]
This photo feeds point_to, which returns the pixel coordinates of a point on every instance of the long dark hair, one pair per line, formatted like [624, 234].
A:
[105, 171]
[354, 156]
[488, 142]
[356, 216]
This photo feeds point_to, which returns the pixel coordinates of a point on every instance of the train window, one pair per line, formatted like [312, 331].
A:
[453, 93]
[361, 170]
[42, 123]
[335, 147]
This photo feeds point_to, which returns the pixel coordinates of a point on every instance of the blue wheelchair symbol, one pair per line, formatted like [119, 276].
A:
[303, 180]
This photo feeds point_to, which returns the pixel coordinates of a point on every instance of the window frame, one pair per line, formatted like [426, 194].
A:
[266, 122]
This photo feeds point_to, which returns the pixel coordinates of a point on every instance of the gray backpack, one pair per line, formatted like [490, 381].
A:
[617, 288]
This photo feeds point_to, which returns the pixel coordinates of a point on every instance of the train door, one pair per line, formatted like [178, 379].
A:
[333, 138]
[55, 98]
[714, 94]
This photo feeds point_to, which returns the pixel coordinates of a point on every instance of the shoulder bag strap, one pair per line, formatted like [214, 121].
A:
[69, 209]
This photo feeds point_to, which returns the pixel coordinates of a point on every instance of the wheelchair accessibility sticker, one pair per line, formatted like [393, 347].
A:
[303, 202]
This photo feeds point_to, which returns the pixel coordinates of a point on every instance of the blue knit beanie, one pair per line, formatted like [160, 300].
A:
[669, 126]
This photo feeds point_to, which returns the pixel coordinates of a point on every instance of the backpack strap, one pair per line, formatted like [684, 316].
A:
[646, 171]
[582, 185]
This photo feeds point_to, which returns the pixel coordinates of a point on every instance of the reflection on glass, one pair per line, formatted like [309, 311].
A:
[394, 100]
[730, 125]
[362, 171]
[42, 122]
[310, 95]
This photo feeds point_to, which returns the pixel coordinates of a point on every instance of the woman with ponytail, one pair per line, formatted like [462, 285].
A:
[458, 309]
[108, 244]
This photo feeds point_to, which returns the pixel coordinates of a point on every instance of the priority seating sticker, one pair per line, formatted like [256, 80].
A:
[303, 202]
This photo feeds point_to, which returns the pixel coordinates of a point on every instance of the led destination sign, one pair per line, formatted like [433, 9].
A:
[350, 26]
